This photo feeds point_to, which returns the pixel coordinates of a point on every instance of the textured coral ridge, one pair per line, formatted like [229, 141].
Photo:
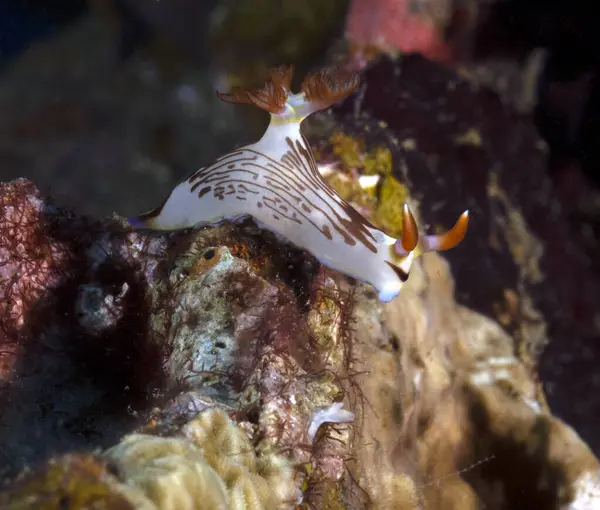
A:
[465, 422]
[210, 463]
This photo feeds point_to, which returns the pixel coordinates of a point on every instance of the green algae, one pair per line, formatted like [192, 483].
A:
[385, 201]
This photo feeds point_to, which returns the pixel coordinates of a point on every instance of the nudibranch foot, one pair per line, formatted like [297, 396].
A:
[137, 222]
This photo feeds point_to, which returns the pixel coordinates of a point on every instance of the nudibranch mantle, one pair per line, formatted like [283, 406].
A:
[276, 181]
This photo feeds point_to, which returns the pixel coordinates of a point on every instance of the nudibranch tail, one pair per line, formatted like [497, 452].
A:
[144, 222]
[147, 220]
[137, 222]
[327, 86]
[272, 96]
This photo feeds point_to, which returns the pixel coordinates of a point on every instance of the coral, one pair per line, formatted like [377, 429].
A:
[30, 262]
[240, 340]
[428, 414]
[198, 360]
[213, 465]
[453, 378]
[389, 211]
[76, 482]
[170, 472]
[249, 472]
[351, 152]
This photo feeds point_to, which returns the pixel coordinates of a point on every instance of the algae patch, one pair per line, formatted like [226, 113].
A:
[382, 203]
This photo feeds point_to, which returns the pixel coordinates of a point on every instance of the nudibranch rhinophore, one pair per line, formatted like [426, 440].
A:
[277, 182]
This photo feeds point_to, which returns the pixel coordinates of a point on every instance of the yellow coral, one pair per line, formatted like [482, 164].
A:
[214, 466]
[220, 440]
[171, 472]
[401, 493]
[250, 475]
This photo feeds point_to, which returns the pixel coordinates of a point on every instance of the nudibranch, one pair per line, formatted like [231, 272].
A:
[277, 182]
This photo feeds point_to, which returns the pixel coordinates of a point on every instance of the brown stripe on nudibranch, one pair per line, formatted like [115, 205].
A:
[195, 174]
[319, 185]
[245, 189]
[219, 193]
[357, 225]
[220, 169]
[203, 191]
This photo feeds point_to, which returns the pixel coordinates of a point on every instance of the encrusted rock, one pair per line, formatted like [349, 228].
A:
[222, 365]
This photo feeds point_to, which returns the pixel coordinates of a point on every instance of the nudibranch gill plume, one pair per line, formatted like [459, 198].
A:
[277, 182]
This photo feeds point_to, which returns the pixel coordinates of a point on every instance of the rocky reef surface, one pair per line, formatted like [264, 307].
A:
[222, 368]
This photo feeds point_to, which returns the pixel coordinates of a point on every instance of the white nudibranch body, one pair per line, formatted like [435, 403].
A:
[276, 182]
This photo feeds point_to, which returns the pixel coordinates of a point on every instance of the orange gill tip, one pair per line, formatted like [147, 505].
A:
[270, 97]
[410, 231]
[329, 85]
[450, 238]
